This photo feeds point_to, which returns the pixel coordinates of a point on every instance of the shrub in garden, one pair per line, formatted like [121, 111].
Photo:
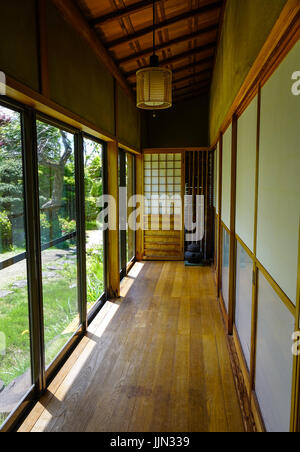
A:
[67, 226]
[5, 232]
[45, 227]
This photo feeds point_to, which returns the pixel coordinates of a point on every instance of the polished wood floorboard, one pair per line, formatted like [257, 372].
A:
[155, 361]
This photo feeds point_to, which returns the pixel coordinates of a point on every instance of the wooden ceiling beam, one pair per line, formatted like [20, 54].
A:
[192, 76]
[165, 24]
[166, 45]
[194, 87]
[190, 95]
[194, 65]
[122, 13]
[179, 57]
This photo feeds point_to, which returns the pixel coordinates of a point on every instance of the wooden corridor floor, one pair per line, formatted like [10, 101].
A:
[157, 361]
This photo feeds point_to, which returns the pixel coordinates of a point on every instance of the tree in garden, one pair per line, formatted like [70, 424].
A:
[93, 181]
[11, 188]
[54, 156]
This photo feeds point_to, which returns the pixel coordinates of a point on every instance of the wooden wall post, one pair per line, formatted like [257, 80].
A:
[232, 258]
[113, 233]
[255, 269]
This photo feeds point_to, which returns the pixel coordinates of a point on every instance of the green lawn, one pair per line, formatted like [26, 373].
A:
[60, 310]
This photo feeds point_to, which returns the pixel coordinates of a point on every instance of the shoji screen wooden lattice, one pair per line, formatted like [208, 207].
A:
[163, 219]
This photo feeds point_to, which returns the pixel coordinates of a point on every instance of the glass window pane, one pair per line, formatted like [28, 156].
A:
[58, 236]
[131, 219]
[15, 361]
[93, 172]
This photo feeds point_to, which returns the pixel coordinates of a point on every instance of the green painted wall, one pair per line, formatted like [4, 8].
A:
[78, 81]
[18, 41]
[128, 120]
[184, 125]
[247, 24]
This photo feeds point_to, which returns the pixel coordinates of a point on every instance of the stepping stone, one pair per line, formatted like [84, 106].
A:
[54, 268]
[5, 293]
[20, 285]
[49, 275]
[73, 286]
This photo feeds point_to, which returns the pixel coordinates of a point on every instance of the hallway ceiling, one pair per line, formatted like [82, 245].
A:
[187, 38]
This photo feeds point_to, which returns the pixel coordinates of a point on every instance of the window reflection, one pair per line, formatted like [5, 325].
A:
[15, 374]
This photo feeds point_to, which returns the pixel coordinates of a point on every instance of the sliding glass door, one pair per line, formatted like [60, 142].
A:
[131, 218]
[126, 209]
[57, 192]
[95, 236]
[15, 350]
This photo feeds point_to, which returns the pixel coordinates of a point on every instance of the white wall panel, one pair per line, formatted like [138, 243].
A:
[243, 311]
[226, 176]
[274, 359]
[246, 170]
[279, 176]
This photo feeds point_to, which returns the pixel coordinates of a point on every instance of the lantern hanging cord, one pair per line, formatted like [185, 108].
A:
[154, 26]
